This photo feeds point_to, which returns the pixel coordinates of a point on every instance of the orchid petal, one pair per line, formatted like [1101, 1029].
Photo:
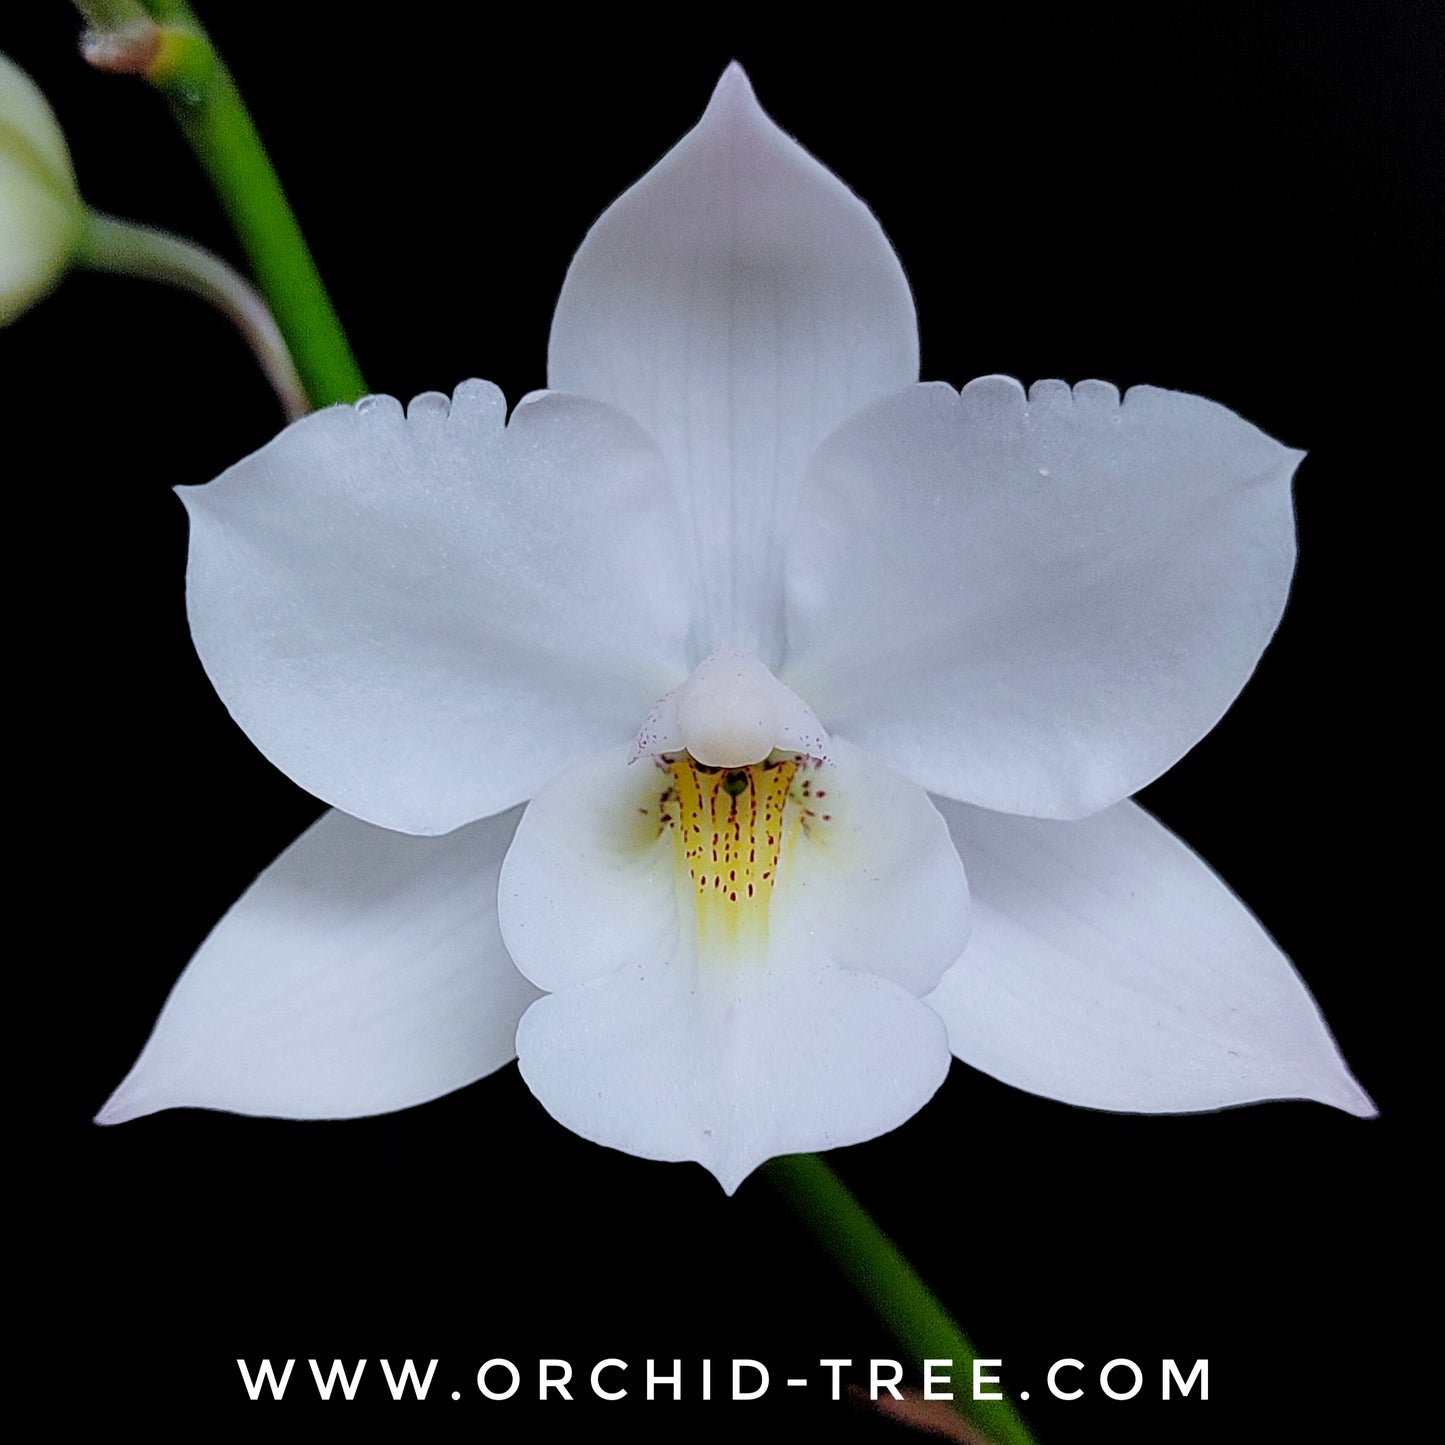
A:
[881, 888]
[420, 619]
[1109, 967]
[690, 1027]
[1037, 606]
[362, 972]
[592, 882]
[739, 301]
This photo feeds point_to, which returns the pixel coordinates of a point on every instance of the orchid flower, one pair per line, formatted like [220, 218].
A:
[824, 691]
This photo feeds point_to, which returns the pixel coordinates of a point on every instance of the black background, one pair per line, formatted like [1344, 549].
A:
[1234, 202]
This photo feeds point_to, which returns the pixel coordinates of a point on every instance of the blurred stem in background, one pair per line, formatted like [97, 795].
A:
[130, 250]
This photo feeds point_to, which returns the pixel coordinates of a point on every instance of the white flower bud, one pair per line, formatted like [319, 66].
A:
[41, 215]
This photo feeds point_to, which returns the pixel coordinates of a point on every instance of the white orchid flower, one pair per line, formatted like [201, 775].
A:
[42, 220]
[727, 604]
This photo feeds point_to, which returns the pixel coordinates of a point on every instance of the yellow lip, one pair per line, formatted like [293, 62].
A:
[733, 832]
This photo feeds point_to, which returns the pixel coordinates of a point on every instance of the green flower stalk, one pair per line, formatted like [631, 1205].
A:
[168, 48]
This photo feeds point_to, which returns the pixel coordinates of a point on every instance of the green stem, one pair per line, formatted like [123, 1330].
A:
[178, 58]
[877, 1269]
[129, 250]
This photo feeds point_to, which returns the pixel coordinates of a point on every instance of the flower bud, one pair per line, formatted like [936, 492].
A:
[42, 219]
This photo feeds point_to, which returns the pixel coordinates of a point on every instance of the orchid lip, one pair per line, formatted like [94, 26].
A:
[734, 832]
[734, 957]
[734, 748]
